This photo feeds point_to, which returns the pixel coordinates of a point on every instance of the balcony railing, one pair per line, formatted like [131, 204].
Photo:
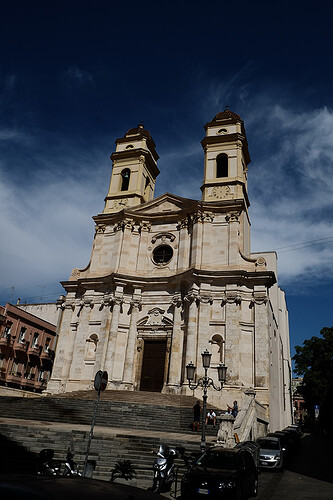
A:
[34, 350]
[7, 340]
[14, 377]
[21, 345]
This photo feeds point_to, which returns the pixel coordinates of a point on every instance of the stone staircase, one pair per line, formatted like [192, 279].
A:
[128, 426]
[145, 410]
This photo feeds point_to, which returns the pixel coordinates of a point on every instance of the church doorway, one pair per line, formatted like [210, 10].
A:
[153, 365]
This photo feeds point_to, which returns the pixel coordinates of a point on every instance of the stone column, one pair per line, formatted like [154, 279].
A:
[191, 338]
[64, 350]
[196, 246]
[126, 244]
[129, 374]
[143, 246]
[232, 300]
[261, 339]
[103, 332]
[233, 247]
[183, 248]
[177, 345]
[110, 351]
[205, 300]
[77, 356]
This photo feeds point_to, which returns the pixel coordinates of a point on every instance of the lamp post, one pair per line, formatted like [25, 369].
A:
[205, 382]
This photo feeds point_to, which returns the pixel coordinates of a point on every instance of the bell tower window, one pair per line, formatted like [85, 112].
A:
[125, 178]
[222, 165]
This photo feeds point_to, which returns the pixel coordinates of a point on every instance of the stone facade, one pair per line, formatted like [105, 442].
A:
[170, 277]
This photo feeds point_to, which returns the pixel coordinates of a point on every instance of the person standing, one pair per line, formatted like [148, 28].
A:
[196, 416]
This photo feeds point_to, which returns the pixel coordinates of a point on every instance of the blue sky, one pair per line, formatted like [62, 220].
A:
[76, 75]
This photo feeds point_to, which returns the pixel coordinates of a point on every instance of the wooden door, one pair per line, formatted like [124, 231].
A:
[153, 364]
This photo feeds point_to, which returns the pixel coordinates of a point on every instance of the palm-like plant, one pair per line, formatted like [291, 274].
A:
[123, 469]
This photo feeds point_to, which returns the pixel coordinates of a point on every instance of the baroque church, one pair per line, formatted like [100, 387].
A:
[170, 277]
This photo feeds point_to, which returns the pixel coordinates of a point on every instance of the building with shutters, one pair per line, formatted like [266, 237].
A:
[170, 277]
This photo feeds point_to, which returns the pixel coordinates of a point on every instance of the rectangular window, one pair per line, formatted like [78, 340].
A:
[7, 330]
[21, 338]
[35, 340]
[47, 344]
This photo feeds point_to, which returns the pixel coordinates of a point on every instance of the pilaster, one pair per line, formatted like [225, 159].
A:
[231, 302]
[177, 346]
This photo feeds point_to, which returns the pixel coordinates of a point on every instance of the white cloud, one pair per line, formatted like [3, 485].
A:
[75, 74]
[46, 217]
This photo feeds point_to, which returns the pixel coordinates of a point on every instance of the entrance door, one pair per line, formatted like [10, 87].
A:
[152, 374]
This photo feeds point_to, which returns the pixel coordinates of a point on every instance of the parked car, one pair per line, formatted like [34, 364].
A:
[253, 448]
[286, 442]
[272, 453]
[221, 473]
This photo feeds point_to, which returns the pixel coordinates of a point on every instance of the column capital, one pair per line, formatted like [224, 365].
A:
[231, 297]
[259, 298]
[177, 300]
[205, 298]
[232, 217]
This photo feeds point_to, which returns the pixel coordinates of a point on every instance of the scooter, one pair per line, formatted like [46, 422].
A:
[70, 467]
[46, 465]
[164, 473]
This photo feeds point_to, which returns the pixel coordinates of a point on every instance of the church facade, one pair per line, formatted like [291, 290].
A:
[170, 277]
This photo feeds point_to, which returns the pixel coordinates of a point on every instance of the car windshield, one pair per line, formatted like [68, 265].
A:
[220, 460]
[268, 444]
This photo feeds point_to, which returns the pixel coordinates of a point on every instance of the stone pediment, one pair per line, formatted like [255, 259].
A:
[166, 203]
[155, 318]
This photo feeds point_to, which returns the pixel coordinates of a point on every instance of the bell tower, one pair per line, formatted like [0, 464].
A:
[134, 171]
[226, 159]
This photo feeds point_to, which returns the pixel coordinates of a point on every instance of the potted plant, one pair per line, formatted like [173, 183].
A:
[123, 471]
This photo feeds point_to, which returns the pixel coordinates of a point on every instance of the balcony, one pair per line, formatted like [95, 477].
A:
[47, 353]
[28, 380]
[40, 384]
[34, 350]
[15, 378]
[21, 345]
[7, 340]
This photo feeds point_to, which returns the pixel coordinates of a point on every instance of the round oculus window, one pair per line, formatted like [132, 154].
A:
[162, 254]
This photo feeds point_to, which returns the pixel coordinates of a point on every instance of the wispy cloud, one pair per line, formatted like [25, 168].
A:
[78, 76]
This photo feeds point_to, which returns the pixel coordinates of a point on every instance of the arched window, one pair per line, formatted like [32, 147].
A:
[125, 178]
[222, 165]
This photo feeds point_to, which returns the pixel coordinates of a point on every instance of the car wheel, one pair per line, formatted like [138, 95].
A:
[239, 493]
[254, 491]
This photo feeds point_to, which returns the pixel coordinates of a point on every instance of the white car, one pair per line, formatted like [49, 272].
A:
[272, 453]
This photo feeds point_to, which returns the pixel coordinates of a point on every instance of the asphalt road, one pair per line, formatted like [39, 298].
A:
[309, 475]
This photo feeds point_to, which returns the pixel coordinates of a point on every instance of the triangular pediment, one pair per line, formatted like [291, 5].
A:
[166, 203]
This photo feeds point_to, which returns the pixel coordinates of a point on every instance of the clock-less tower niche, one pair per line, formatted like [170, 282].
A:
[134, 171]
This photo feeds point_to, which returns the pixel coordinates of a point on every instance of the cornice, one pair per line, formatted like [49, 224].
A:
[237, 277]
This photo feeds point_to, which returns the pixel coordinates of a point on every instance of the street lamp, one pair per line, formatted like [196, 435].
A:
[205, 382]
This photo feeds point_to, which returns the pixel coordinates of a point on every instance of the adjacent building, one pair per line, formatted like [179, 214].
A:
[170, 277]
[27, 346]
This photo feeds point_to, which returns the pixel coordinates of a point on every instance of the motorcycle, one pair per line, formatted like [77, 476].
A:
[164, 473]
[70, 467]
[46, 465]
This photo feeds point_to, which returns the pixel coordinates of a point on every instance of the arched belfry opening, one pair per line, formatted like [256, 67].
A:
[125, 179]
[222, 169]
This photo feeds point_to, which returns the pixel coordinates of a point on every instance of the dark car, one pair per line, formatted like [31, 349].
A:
[221, 473]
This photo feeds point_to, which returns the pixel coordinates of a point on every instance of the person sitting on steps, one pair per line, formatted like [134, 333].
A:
[211, 418]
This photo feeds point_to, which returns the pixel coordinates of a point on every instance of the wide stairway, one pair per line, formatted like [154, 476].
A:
[128, 425]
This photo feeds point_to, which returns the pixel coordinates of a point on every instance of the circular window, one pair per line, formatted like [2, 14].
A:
[162, 254]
